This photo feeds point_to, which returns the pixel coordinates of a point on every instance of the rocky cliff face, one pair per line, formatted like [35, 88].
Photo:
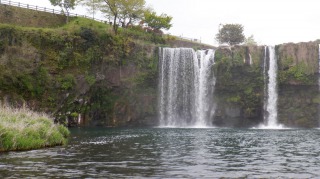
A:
[298, 84]
[298, 63]
[80, 77]
[240, 85]
[298, 105]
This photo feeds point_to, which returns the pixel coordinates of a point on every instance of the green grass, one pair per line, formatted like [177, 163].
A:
[30, 18]
[76, 23]
[135, 32]
[23, 129]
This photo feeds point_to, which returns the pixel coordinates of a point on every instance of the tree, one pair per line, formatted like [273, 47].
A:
[131, 11]
[123, 12]
[65, 6]
[157, 22]
[250, 41]
[231, 34]
[111, 8]
[92, 6]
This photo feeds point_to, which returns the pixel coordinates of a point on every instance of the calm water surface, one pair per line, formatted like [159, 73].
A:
[172, 153]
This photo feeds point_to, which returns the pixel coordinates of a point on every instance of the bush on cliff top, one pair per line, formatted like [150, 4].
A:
[22, 129]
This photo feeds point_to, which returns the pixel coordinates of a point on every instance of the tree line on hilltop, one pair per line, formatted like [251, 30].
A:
[124, 13]
[129, 13]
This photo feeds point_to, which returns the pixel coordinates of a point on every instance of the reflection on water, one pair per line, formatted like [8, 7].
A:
[172, 153]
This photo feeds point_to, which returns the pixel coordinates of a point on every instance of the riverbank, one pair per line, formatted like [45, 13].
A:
[23, 129]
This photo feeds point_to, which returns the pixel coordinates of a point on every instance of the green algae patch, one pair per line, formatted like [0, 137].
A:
[23, 129]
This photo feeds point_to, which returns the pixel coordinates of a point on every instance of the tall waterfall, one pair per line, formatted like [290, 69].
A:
[186, 87]
[319, 67]
[265, 89]
[271, 90]
[319, 82]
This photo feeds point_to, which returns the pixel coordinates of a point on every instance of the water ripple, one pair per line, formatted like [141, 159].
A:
[172, 153]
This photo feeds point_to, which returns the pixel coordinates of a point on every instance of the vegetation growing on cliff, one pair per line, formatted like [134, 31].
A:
[71, 69]
[291, 73]
[22, 129]
[238, 82]
[298, 63]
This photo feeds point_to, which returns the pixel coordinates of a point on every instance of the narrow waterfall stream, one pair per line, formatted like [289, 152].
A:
[271, 90]
[319, 84]
[186, 87]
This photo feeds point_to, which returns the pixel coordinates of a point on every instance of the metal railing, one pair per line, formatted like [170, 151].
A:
[44, 9]
[190, 39]
[59, 12]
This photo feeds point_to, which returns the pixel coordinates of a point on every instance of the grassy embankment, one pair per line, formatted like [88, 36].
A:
[55, 66]
[23, 129]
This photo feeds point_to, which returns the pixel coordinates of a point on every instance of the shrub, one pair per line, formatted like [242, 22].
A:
[67, 82]
[22, 129]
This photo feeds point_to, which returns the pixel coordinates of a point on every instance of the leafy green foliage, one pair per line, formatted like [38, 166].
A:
[291, 73]
[65, 6]
[230, 71]
[234, 99]
[66, 56]
[250, 41]
[45, 65]
[88, 35]
[131, 11]
[67, 82]
[231, 34]
[157, 22]
[91, 80]
[102, 101]
[123, 12]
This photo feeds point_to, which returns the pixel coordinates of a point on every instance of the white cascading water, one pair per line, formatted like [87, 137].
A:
[186, 87]
[204, 83]
[319, 66]
[271, 91]
[265, 90]
[250, 59]
[319, 80]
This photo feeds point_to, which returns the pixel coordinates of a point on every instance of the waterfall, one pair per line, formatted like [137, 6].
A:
[319, 81]
[271, 90]
[250, 59]
[272, 102]
[205, 82]
[186, 87]
[319, 64]
[319, 67]
[265, 89]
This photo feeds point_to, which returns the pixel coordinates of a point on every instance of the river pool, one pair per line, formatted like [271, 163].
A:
[172, 153]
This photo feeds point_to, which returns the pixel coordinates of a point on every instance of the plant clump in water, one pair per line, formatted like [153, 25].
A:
[23, 129]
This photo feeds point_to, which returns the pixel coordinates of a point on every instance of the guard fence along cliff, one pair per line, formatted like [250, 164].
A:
[45, 9]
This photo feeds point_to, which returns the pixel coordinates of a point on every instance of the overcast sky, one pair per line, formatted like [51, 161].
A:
[271, 22]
